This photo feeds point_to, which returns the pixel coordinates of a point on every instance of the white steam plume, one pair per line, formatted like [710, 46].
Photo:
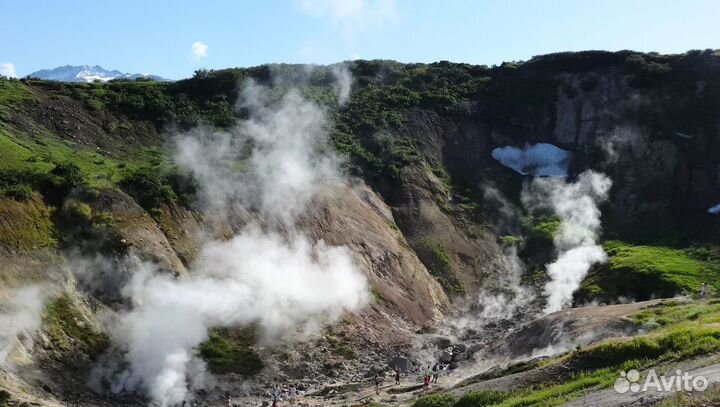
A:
[576, 240]
[505, 296]
[622, 140]
[343, 82]
[501, 298]
[20, 313]
[280, 281]
[284, 148]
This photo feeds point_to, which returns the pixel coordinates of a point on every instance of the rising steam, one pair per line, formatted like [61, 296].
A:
[502, 298]
[576, 240]
[343, 82]
[273, 163]
[20, 314]
[270, 274]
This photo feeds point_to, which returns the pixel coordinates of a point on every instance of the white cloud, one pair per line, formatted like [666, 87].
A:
[8, 69]
[351, 16]
[199, 50]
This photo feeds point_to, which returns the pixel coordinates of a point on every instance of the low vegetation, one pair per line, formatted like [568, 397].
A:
[70, 330]
[439, 265]
[710, 397]
[153, 186]
[643, 271]
[26, 225]
[230, 351]
[436, 400]
[4, 398]
[481, 398]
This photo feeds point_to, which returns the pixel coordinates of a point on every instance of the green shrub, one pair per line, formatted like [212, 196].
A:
[679, 342]
[481, 398]
[77, 211]
[540, 232]
[59, 182]
[643, 272]
[148, 187]
[183, 184]
[230, 351]
[68, 328]
[435, 400]
[19, 192]
[439, 265]
[69, 174]
[510, 240]
[151, 186]
[615, 352]
[4, 398]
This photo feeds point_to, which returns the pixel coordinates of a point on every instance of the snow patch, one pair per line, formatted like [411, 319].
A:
[715, 209]
[541, 159]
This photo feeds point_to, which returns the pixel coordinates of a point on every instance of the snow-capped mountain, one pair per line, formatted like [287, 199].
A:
[87, 73]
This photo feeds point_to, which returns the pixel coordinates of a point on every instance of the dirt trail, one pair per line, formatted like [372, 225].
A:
[708, 367]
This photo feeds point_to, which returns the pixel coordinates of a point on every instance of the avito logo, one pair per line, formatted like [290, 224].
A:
[680, 381]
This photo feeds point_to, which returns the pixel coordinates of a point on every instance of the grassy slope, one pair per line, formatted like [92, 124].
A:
[645, 271]
[26, 225]
[230, 351]
[70, 331]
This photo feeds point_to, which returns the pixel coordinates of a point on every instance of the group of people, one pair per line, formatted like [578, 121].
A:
[277, 394]
[431, 374]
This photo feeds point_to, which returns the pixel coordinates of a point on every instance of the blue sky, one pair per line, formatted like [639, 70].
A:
[157, 36]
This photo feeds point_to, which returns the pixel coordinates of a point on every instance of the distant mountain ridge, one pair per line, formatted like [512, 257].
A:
[88, 73]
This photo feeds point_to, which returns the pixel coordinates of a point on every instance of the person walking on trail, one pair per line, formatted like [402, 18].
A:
[277, 391]
[378, 380]
[435, 372]
[292, 393]
[397, 375]
[426, 378]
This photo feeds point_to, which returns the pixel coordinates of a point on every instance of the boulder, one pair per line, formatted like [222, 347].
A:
[460, 348]
[405, 364]
[441, 342]
[459, 357]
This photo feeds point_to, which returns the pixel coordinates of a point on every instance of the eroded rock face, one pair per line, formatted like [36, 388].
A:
[356, 217]
[664, 171]
[139, 231]
[609, 126]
